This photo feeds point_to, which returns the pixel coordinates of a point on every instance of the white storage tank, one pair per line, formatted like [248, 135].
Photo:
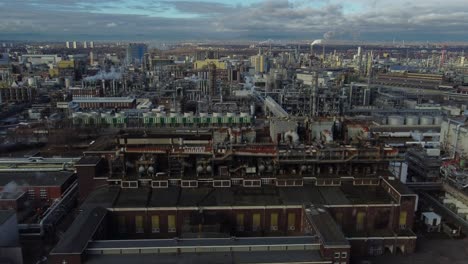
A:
[68, 82]
[31, 81]
[426, 120]
[438, 120]
[412, 120]
[252, 109]
[396, 120]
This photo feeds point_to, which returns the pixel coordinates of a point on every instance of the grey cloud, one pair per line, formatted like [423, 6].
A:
[299, 19]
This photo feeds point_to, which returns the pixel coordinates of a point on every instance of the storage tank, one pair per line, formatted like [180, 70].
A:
[383, 121]
[67, 82]
[396, 120]
[438, 120]
[426, 120]
[252, 109]
[412, 120]
[31, 81]
[151, 170]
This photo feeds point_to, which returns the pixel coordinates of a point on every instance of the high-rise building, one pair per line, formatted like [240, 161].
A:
[85, 44]
[91, 44]
[67, 44]
[91, 58]
[74, 44]
[258, 62]
[136, 53]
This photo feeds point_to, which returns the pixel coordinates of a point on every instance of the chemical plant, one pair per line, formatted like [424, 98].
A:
[306, 152]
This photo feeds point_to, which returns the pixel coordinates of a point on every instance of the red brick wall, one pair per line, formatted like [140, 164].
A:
[329, 254]
[60, 258]
[228, 224]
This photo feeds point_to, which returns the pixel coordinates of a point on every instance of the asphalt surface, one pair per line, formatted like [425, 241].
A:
[429, 251]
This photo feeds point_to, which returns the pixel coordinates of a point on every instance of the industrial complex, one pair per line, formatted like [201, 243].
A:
[301, 152]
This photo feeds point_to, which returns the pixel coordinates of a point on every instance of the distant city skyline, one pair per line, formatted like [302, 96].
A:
[360, 20]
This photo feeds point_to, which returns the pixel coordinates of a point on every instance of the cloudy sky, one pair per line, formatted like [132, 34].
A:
[172, 20]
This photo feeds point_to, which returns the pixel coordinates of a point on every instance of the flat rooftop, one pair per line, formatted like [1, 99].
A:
[296, 256]
[88, 160]
[92, 213]
[49, 178]
[103, 100]
[173, 196]
[326, 227]
[5, 215]
[205, 242]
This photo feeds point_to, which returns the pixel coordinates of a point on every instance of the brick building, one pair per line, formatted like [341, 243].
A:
[330, 223]
[45, 186]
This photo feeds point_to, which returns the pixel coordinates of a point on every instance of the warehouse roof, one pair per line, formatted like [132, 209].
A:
[49, 178]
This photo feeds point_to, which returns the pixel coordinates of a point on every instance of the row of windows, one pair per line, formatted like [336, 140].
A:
[240, 223]
[42, 193]
[155, 224]
[360, 219]
[342, 255]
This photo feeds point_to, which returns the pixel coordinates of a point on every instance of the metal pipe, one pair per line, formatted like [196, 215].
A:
[456, 141]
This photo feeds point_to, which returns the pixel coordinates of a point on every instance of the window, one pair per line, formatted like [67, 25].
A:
[155, 224]
[171, 223]
[274, 221]
[291, 221]
[337, 254]
[344, 254]
[255, 222]
[31, 194]
[122, 224]
[138, 224]
[240, 222]
[43, 193]
[360, 220]
[402, 221]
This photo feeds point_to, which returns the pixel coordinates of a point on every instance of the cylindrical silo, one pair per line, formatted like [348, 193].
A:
[396, 120]
[426, 120]
[412, 120]
[68, 82]
[438, 120]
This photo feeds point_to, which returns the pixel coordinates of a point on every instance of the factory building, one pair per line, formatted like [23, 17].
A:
[135, 53]
[46, 186]
[105, 102]
[200, 64]
[17, 93]
[334, 221]
[235, 189]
